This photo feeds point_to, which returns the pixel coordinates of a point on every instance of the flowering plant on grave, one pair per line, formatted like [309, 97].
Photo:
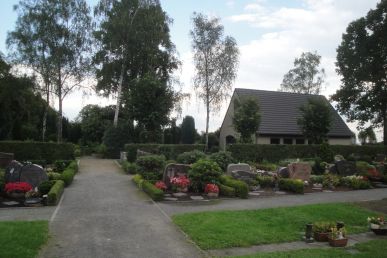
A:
[180, 181]
[161, 185]
[338, 233]
[21, 187]
[211, 188]
[376, 220]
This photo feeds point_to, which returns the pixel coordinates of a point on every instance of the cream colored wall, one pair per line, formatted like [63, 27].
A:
[339, 141]
[263, 140]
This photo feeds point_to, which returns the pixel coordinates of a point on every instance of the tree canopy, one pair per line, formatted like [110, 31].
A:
[306, 76]
[188, 130]
[367, 135]
[246, 118]
[362, 63]
[216, 62]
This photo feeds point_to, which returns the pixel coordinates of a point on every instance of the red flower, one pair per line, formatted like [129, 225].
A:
[17, 187]
[161, 185]
[180, 181]
[211, 188]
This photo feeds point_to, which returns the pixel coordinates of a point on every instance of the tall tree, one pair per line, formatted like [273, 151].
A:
[246, 118]
[133, 38]
[367, 135]
[188, 130]
[306, 76]
[216, 62]
[362, 63]
[316, 119]
[53, 36]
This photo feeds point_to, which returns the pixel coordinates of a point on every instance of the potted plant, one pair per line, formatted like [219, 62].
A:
[378, 225]
[17, 189]
[181, 183]
[337, 237]
[212, 190]
[321, 230]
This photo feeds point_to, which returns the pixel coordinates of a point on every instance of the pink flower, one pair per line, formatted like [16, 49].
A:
[180, 181]
[161, 185]
[17, 187]
[211, 188]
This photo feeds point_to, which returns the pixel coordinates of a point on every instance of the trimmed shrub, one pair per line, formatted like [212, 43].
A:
[45, 187]
[265, 181]
[54, 176]
[330, 180]
[266, 166]
[355, 182]
[38, 150]
[202, 172]
[114, 139]
[155, 193]
[222, 158]
[151, 167]
[190, 157]
[55, 192]
[226, 190]
[362, 167]
[68, 176]
[137, 179]
[170, 151]
[241, 188]
[318, 168]
[130, 168]
[73, 165]
[2, 179]
[316, 179]
[60, 165]
[275, 153]
[292, 185]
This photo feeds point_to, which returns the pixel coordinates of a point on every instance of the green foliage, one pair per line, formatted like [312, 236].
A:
[264, 165]
[2, 179]
[38, 150]
[115, 138]
[45, 187]
[222, 158]
[73, 165]
[60, 165]
[292, 185]
[68, 176]
[305, 77]
[55, 192]
[361, 63]
[151, 167]
[188, 131]
[316, 119]
[154, 193]
[137, 179]
[355, 182]
[367, 135]
[241, 188]
[265, 181]
[323, 226]
[172, 134]
[246, 118]
[331, 180]
[275, 153]
[316, 179]
[130, 168]
[170, 151]
[318, 167]
[362, 167]
[190, 157]
[227, 191]
[54, 176]
[203, 172]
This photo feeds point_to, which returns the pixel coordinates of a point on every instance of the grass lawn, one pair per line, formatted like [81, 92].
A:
[22, 238]
[223, 229]
[374, 249]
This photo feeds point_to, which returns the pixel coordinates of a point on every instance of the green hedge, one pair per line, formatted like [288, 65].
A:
[46, 151]
[291, 185]
[68, 176]
[154, 193]
[241, 188]
[227, 191]
[275, 153]
[55, 193]
[170, 151]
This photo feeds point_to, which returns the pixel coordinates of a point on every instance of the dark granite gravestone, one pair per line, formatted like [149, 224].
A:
[12, 172]
[5, 159]
[283, 172]
[33, 174]
[245, 176]
[238, 167]
[300, 171]
[174, 170]
[346, 168]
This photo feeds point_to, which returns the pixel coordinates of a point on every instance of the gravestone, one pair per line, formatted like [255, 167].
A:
[300, 171]
[5, 159]
[123, 156]
[283, 172]
[238, 167]
[243, 175]
[346, 168]
[33, 174]
[175, 170]
[12, 172]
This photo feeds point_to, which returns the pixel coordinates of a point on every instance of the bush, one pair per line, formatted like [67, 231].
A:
[114, 139]
[362, 167]
[292, 185]
[222, 158]
[202, 172]
[54, 176]
[170, 151]
[355, 182]
[155, 193]
[265, 181]
[137, 179]
[45, 187]
[266, 166]
[190, 157]
[60, 165]
[2, 180]
[151, 167]
[102, 150]
[55, 192]
[275, 153]
[68, 176]
[130, 168]
[226, 190]
[316, 179]
[73, 165]
[318, 167]
[240, 187]
[323, 226]
[38, 150]
[330, 180]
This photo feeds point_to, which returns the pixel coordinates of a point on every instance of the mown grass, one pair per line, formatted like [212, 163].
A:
[374, 249]
[22, 239]
[223, 229]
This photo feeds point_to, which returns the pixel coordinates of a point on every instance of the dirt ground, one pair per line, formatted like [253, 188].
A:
[378, 206]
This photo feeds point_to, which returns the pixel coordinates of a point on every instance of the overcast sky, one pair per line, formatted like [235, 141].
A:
[269, 33]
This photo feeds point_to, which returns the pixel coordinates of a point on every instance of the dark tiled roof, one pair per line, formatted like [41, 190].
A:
[280, 112]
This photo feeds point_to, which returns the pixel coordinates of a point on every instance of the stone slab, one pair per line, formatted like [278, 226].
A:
[238, 167]
[179, 195]
[300, 171]
[196, 197]
[170, 199]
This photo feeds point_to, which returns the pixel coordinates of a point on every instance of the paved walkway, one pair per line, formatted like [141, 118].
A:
[103, 214]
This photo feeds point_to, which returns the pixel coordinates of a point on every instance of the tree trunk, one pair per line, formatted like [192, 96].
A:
[119, 93]
[207, 122]
[46, 108]
[385, 129]
[60, 118]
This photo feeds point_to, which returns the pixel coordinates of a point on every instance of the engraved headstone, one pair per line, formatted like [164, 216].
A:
[33, 174]
[300, 171]
[12, 172]
[238, 167]
[283, 172]
[346, 168]
[245, 176]
[175, 170]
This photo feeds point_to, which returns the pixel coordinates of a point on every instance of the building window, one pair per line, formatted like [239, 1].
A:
[288, 141]
[274, 140]
[300, 141]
